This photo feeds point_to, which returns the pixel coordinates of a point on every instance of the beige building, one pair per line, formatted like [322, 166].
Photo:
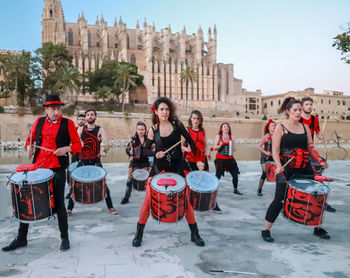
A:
[160, 57]
[332, 103]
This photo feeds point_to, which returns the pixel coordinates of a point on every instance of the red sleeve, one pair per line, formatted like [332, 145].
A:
[74, 137]
[317, 125]
[31, 135]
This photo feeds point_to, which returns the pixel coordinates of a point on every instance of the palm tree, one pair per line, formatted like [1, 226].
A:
[68, 79]
[189, 74]
[125, 79]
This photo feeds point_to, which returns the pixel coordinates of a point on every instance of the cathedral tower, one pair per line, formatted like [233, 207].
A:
[53, 24]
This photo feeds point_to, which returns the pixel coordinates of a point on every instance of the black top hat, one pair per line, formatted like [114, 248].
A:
[53, 100]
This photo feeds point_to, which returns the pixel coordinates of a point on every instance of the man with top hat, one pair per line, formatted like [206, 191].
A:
[53, 137]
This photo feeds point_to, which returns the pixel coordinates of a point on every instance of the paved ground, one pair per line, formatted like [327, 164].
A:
[101, 243]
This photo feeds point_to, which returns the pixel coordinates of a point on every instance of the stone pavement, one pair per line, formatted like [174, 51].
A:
[101, 243]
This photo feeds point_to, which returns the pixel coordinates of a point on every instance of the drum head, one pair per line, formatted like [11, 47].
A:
[88, 174]
[270, 162]
[309, 186]
[72, 166]
[207, 184]
[140, 174]
[175, 181]
[32, 177]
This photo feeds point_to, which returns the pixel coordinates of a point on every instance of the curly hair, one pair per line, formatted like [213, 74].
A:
[171, 106]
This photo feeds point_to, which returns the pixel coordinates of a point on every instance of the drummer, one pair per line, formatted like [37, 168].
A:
[137, 157]
[60, 135]
[166, 131]
[91, 136]
[265, 147]
[225, 145]
[291, 135]
[81, 122]
[313, 123]
[199, 160]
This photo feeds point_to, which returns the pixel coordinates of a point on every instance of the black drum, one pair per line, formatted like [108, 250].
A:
[140, 177]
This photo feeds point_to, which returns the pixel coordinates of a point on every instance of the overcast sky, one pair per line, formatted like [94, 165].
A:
[275, 45]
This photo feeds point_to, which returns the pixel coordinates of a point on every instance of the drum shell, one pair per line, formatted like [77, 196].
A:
[202, 201]
[167, 207]
[139, 185]
[271, 171]
[32, 202]
[303, 207]
[88, 192]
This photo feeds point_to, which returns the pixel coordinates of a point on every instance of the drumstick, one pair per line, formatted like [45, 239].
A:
[173, 146]
[324, 124]
[233, 271]
[39, 147]
[285, 164]
[200, 176]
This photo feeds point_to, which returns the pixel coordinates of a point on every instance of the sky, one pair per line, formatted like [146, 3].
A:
[274, 45]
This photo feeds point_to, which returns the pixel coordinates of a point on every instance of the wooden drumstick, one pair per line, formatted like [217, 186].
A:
[324, 124]
[285, 164]
[173, 146]
[39, 147]
[200, 176]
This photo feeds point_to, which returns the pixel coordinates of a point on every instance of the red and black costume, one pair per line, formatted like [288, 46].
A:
[198, 136]
[292, 145]
[136, 150]
[225, 161]
[172, 162]
[312, 123]
[268, 148]
[90, 155]
[53, 135]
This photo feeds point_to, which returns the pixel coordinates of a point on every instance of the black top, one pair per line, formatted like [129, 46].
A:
[91, 147]
[292, 140]
[137, 150]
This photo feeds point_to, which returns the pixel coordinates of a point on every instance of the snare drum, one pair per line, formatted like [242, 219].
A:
[305, 201]
[88, 184]
[203, 190]
[32, 194]
[168, 195]
[140, 177]
[271, 171]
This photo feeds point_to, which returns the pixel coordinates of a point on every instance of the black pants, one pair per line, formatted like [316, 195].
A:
[276, 205]
[96, 162]
[230, 165]
[60, 209]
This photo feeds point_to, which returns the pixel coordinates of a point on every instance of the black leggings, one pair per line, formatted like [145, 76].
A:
[276, 205]
[60, 209]
[230, 165]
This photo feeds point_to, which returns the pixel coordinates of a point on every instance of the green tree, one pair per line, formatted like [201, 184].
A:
[342, 43]
[189, 75]
[20, 76]
[67, 79]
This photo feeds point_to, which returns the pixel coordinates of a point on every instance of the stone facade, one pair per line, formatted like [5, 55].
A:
[332, 103]
[160, 57]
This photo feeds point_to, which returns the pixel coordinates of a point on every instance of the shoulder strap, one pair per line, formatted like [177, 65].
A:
[284, 128]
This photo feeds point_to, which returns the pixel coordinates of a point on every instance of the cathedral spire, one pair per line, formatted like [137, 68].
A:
[97, 21]
[144, 24]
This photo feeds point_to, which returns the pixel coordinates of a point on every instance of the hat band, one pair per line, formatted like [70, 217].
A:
[53, 102]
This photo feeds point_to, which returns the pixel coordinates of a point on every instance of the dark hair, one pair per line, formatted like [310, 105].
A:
[266, 128]
[171, 106]
[306, 99]
[229, 129]
[136, 136]
[89, 110]
[287, 104]
[200, 116]
[81, 116]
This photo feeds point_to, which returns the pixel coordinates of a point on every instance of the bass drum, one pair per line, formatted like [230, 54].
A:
[203, 190]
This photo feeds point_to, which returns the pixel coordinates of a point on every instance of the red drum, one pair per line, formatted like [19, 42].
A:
[32, 194]
[140, 177]
[271, 171]
[168, 196]
[203, 190]
[305, 201]
[88, 184]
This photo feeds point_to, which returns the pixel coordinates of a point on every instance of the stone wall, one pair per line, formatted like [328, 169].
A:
[120, 127]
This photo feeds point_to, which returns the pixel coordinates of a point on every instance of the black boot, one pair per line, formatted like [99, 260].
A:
[266, 235]
[330, 209]
[127, 192]
[15, 244]
[235, 191]
[322, 233]
[259, 192]
[65, 245]
[136, 242]
[195, 237]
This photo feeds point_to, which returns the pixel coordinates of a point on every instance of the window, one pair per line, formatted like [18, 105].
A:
[128, 42]
[133, 59]
[279, 102]
[51, 13]
[271, 102]
[329, 101]
[344, 102]
[265, 105]
[89, 38]
[70, 37]
[321, 101]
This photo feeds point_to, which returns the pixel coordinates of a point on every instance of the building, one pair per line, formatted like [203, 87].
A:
[331, 103]
[160, 57]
